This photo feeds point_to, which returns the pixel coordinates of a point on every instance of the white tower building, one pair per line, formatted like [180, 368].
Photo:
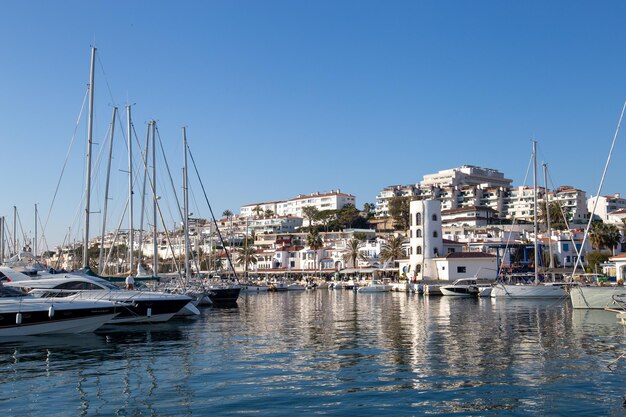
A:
[425, 239]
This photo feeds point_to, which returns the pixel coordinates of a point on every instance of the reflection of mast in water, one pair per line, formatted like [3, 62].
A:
[84, 398]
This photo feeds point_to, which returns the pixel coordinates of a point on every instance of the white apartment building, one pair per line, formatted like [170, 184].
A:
[466, 175]
[606, 205]
[473, 216]
[573, 201]
[464, 186]
[383, 197]
[273, 224]
[333, 200]
[519, 203]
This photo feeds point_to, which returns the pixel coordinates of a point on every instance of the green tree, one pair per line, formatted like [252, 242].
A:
[594, 259]
[269, 213]
[368, 209]
[257, 210]
[310, 213]
[326, 217]
[399, 210]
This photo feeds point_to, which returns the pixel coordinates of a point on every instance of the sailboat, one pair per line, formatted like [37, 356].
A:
[536, 290]
[593, 296]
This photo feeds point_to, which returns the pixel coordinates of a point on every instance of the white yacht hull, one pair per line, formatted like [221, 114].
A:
[594, 297]
[452, 291]
[73, 326]
[528, 291]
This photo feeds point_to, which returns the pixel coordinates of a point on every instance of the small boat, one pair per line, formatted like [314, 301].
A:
[464, 287]
[294, 286]
[375, 286]
[254, 288]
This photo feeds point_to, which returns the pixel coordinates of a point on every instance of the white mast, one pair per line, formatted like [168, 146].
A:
[535, 228]
[35, 239]
[131, 242]
[185, 207]
[88, 171]
[106, 194]
[547, 200]
[143, 197]
[155, 246]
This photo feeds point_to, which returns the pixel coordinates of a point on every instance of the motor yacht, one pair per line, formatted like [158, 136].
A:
[142, 306]
[24, 315]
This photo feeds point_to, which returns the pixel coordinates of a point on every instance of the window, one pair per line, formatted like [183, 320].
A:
[460, 269]
[418, 250]
[565, 247]
[418, 269]
[436, 251]
[418, 233]
[434, 217]
[418, 219]
[435, 234]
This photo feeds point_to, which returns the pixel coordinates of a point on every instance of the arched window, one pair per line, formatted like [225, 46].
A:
[418, 250]
[418, 219]
[435, 234]
[434, 217]
[436, 252]
[418, 233]
[418, 269]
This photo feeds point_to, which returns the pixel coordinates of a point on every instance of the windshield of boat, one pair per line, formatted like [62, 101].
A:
[11, 292]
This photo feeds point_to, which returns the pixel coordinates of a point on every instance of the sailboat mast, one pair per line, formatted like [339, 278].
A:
[143, 196]
[35, 238]
[2, 222]
[14, 230]
[106, 194]
[155, 246]
[185, 206]
[535, 228]
[545, 179]
[131, 242]
[88, 170]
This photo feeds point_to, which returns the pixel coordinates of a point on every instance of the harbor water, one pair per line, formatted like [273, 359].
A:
[331, 353]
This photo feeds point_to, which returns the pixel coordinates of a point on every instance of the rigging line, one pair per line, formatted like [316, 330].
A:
[606, 167]
[117, 230]
[42, 239]
[169, 173]
[67, 156]
[230, 262]
[19, 221]
[106, 80]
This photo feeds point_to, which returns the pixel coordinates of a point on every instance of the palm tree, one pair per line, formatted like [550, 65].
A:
[229, 216]
[352, 251]
[269, 213]
[246, 256]
[604, 235]
[314, 241]
[392, 250]
[257, 210]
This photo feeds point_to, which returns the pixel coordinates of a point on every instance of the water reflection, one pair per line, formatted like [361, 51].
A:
[335, 352]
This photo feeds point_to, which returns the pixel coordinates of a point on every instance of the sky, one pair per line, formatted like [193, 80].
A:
[281, 98]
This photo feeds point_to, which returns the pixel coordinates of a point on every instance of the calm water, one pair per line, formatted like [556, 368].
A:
[334, 353]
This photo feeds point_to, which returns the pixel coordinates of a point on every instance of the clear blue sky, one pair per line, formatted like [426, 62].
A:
[288, 97]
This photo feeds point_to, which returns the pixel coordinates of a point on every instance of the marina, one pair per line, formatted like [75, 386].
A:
[334, 353]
